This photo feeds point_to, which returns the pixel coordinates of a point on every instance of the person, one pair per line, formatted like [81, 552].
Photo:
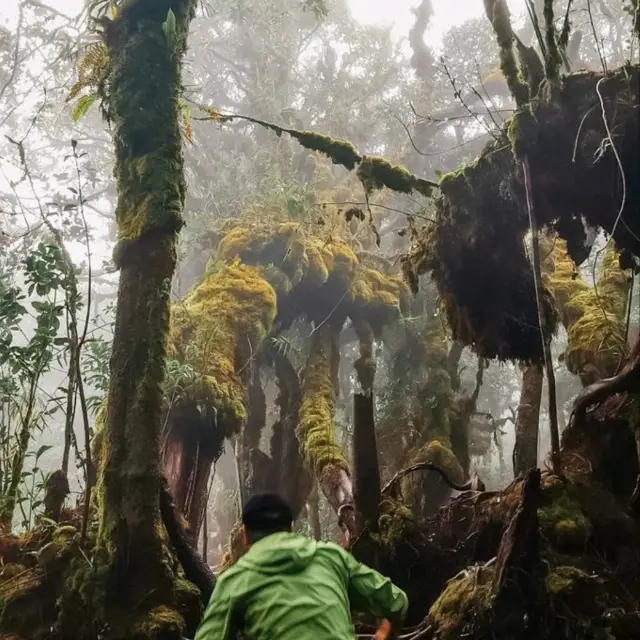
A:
[289, 587]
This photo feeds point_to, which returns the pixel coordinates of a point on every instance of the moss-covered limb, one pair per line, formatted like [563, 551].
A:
[218, 330]
[481, 217]
[594, 317]
[525, 452]
[315, 430]
[374, 172]
[144, 88]
[553, 59]
[498, 14]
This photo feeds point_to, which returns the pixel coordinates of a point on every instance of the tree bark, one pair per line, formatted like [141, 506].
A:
[525, 452]
[146, 42]
[366, 469]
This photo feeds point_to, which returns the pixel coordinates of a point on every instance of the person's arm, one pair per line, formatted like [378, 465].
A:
[369, 591]
[218, 622]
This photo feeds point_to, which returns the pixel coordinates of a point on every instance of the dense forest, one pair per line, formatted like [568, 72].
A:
[261, 245]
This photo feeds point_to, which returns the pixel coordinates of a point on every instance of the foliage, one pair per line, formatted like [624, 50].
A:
[25, 357]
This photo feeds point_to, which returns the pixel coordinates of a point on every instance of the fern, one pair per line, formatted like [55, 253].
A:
[83, 105]
[92, 70]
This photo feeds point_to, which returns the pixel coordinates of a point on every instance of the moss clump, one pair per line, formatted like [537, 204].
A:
[160, 622]
[377, 173]
[561, 516]
[217, 329]
[441, 456]
[377, 296]
[593, 317]
[394, 522]
[235, 548]
[465, 600]
[299, 256]
[315, 429]
[562, 579]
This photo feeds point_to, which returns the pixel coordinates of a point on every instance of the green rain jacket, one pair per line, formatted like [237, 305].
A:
[289, 587]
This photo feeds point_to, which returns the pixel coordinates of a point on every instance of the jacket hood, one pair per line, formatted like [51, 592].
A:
[279, 553]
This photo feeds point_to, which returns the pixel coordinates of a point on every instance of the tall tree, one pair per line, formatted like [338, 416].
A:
[146, 41]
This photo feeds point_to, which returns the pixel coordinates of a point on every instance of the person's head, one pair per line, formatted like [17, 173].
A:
[264, 514]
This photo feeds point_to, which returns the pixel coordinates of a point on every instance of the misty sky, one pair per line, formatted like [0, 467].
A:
[389, 12]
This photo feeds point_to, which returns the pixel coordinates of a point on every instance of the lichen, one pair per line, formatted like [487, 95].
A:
[217, 329]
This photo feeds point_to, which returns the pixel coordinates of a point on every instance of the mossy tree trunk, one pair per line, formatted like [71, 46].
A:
[146, 43]
[525, 453]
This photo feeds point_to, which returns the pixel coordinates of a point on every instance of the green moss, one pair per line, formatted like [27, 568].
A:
[217, 329]
[498, 14]
[395, 521]
[376, 173]
[593, 317]
[465, 599]
[315, 430]
[562, 578]
[441, 456]
[160, 622]
[561, 516]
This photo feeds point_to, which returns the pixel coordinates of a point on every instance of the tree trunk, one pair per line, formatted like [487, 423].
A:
[146, 42]
[525, 452]
[366, 470]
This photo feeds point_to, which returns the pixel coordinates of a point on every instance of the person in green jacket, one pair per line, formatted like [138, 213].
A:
[289, 587]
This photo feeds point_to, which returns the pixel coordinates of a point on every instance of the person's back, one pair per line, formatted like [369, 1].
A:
[289, 587]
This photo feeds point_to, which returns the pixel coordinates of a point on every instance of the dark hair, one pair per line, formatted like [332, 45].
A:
[264, 514]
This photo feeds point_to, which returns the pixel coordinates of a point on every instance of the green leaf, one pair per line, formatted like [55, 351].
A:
[83, 105]
[169, 25]
[43, 449]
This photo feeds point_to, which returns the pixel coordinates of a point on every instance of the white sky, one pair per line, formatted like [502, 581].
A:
[447, 13]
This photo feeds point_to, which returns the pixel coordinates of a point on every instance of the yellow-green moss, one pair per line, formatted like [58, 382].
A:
[160, 620]
[217, 329]
[561, 516]
[440, 455]
[377, 173]
[378, 295]
[315, 429]
[303, 257]
[465, 598]
[593, 317]
[562, 578]
[396, 518]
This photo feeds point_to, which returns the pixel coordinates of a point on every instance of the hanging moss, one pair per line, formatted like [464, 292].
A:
[593, 317]
[315, 430]
[218, 328]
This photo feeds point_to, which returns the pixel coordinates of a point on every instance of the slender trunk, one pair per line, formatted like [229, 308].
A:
[525, 452]
[545, 334]
[17, 462]
[366, 469]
